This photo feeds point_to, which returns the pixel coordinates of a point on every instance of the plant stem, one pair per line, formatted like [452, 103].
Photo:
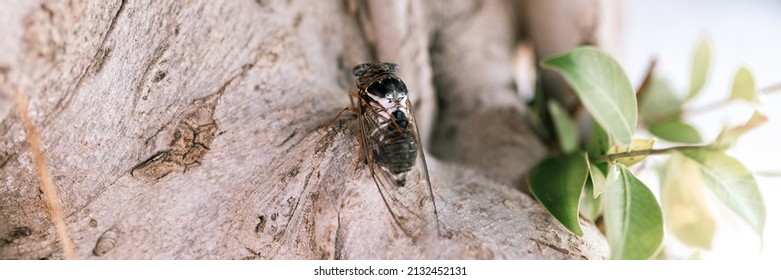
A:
[709, 107]
[627, 154]
[771, 89]
[722, 103]
[649, 74]
[691, 112]
[768, 173]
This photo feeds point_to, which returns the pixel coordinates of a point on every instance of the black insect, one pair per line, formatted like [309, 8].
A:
[391, 147]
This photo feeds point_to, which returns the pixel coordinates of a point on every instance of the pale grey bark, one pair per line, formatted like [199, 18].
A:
[190, 130]
[556, 26]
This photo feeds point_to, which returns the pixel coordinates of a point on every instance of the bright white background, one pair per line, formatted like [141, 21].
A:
[742, 33]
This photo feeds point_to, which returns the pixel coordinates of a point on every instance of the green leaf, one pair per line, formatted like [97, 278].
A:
[637, 145]
[700, 66]
[565, 127]
[676, 131]
[557, 183]
[728, 137]
[590, 207]
[733, 184]
[683, 200]
[537, 106]
[597, 177]
[537, 103]
[598, 142]
[660, 103]
[602, 86]
[633, 219]
[743, 86]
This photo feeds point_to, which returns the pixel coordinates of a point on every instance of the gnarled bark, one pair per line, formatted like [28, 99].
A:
[191, 130]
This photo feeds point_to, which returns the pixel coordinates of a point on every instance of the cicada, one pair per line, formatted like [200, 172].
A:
[391, 148]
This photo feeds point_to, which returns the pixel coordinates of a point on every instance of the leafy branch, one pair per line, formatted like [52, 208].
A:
[591, 177]
[647, 152]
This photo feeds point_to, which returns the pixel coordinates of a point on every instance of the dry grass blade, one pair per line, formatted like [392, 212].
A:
[44, 176]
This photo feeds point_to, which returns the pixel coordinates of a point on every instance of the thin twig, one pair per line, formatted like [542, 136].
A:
[612, 157]
[725, 102]
[44, 176]
[709, 107]
[768, 173]
[649, 75]
[771, 89]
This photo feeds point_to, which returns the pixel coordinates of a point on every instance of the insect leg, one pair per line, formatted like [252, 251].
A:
[352, 109]
[337, 117]
[353, 94]
[362, 157]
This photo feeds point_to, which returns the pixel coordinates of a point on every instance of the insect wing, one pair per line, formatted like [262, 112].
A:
[409, 200]
[424, 187]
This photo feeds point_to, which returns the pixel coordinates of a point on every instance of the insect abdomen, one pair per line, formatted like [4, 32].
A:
[397, 152]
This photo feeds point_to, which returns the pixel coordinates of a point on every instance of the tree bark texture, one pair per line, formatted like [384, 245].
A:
[192, 130]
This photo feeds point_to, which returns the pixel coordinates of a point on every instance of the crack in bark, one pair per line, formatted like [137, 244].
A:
[338, 240]
[261, 225]
[92, 198]
[98, 59]
[288, 138]
[6, 157]
[157, 56]
[556, 248]
[113, 23]
[149, 139]
[192, 137]
[16, 233]
[255, 255]
[298, 201]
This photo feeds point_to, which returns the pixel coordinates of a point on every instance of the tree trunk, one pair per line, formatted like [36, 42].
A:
[191, 130]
